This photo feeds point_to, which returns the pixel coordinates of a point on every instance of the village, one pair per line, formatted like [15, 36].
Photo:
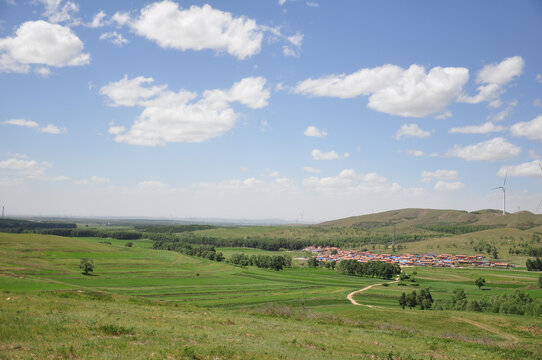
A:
[443, 260]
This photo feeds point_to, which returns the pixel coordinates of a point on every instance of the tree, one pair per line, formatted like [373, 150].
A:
[480, 282]
[87, 265]
[403, 300]
[540, 281]
[412, 300]
[129, 244]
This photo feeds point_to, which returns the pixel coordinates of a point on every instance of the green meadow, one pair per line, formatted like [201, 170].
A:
[141, 303]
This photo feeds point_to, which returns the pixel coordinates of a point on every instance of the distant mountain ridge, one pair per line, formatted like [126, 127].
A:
[404, 218]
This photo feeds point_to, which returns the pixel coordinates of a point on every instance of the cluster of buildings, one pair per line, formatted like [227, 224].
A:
[443, 260]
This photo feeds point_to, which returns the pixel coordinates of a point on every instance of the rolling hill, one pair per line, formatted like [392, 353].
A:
[405, 218]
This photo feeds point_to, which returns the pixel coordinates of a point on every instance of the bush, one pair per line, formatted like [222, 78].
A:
[129, 244]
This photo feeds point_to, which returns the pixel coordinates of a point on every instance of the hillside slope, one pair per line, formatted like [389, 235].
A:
[404, 218]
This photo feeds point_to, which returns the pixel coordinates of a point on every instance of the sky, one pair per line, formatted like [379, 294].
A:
[296, 110]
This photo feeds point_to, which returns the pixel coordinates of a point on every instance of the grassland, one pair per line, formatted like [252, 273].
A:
[144, 303]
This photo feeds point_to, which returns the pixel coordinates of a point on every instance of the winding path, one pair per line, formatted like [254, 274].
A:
[350, 296]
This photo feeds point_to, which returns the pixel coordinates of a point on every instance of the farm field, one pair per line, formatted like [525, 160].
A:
[139, 299]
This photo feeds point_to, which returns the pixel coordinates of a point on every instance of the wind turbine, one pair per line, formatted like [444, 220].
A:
[540, 203]
[503, 188]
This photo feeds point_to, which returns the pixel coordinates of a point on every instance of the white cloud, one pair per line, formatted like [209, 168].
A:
[282, 2]
[330, 155]
[428, 176]
[93, 180]
[198, 28]
[296, 41]
[21, 122]
[500, 116]
[60, 11]
[53, 129]
[25, 168]
[491, 150]
[114, 38]
[314, 131]
[115, 130]
[97, 21]
[175, 116]
[532, 130]
[152, 185]
[121, 18]
[528, 169]
[494, 77]
[486, 128]
[311, 170]
[416, 153]
[264, 126]
[312, 4]
[41, 43]
[411, 130]
[449, 186]
[444, 115]
[350, 182]
[49, 129]
[130, 92]
[393, 90]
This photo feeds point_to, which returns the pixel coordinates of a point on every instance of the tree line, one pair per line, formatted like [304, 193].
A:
[204, 251]
[19, 226]
[275, 262]
[370, 268]
[86, 232]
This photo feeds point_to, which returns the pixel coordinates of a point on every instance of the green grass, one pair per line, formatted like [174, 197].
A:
[144, 303]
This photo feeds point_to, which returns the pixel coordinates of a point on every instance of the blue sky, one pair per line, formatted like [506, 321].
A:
[268, 109]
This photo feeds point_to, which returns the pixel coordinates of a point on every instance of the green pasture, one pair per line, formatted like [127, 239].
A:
[142, 303]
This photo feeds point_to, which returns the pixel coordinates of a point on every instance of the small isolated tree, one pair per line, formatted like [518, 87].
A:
[87, 266]
[540, 281]
[129, 244]
[480, 282]
[403, 300]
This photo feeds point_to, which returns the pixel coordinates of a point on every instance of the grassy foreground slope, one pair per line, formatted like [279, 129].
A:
[144, 304]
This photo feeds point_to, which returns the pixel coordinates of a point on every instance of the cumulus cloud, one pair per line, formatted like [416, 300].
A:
[493, 78]
[491, 150]
[312, 4]
[442, 186]
[329, 155]
[41, 43]
[532, 130]
[169, 116]
[444, 115]
[198, 28]
[411, 130]
[114, 38]
[428, 176]
[311, 170]
[49, 129]
[315, 132]
[393, 90]
[485, 128]
[528, 169]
